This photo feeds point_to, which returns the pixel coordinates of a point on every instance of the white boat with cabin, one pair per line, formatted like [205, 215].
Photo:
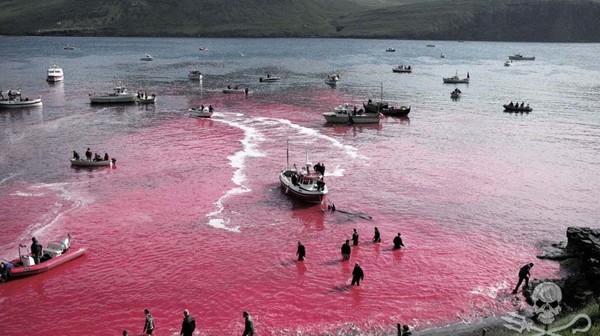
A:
[306, 184]
[118, 96]
[343, 114]
[15, 100]
[457, 80]
[54, 74]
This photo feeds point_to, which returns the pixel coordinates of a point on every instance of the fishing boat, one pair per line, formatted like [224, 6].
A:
[92, 163]
[457, 80]
[54, 74]
[402, 69]
[195, 75]
[269, 79]
[56, 254]
[15, 100]
[147, 57]
[343, 114]
[68, 47]
[385, 108]
[235, 90]
[201, 112]
[119, 95]
[517, 108]
[306, 184]
[143, 98]
[431, 46]
[332, 79]
[519, 57]
[390, 50]
[202, 48]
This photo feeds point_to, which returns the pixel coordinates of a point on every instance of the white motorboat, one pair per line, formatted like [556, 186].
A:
[519, 57]
[269, 79]
[343, 114]
[201, 112]
[15, 100]
[147, 57]
[306, 185]
[119, 95]
[402, 69]
[457, 80]
[195, 75]
[390, 50]
[508, 63]
[54, 74]
[68, 47]
[442, 55]
[332, 79]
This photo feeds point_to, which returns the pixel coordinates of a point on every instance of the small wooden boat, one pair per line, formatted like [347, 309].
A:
[57, 253]
[201, 112]
[269, 79]
[15, 100]
[517, 108]
[92, 163]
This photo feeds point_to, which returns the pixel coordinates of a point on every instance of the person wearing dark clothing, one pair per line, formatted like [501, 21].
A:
[294, 179]
[149, 325]
[523, 275]
[406, 330]
[106, 157]
[398, 242]
[377, 236]
[248, 325]
[320, 184]
[357, 275]
[189, 324]
[75, 155]
[97, 157]
[355, 238]
[301, 252]
[346, 250]
[88, 154]
[4, 271]
[210, 108]
[36, 250]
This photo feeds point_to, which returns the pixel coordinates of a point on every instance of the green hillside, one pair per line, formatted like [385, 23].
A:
[507, 20]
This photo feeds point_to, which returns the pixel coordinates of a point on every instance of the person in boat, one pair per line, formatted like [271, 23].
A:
[88, 154]
[406, 330]
[5, 271]
[97, 157]
[370, 102]
[268, 75]
[398, 242]
[408, 67]
[201, 108]
[75, 155]
[320, 184]
[36, 250]
[248, 325]
[377, 236]
[346, 250]
[354, 238]
[246, 91]
[106, 157]
[149, 325]
[229, 87]
[210, 108]
[510, 104]
[1, 95]
[355, 110]
[522, 104]
[357, 275]
[237, 87]
[188, 326]
[527, 106]
[301, 252]
[294, 179]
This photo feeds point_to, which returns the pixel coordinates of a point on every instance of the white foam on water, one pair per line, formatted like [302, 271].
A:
[8, 178]
[490, 291]
[25, 194]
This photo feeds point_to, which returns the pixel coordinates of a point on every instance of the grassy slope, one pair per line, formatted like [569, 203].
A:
[539, 20]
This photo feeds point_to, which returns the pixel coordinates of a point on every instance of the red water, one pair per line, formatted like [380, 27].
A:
[193, 217]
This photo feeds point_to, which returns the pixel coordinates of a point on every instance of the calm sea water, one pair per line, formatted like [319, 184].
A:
[193, 217]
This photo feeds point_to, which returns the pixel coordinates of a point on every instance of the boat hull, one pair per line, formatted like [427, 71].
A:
[113, 99]
[234, 91]
[149, 100]
[401, 70]
[90, 163]
[517, 109]
[200, 114]
[269, 79]
[521, 58]
[456, 81]
[24, 271]
[20, 103]
[334, 118]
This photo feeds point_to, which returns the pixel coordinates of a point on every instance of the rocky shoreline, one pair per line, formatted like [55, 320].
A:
[579, 259]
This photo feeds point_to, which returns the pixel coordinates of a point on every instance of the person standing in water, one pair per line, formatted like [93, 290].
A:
[355, 238]
[357, 275]
[377, 236]
[301, 252]
[149, 324]
[248, 325]
[346, 250]
[523, 275]
[398, 242]
[189, 324]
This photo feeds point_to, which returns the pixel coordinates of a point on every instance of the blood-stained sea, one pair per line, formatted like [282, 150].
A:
[192, 215]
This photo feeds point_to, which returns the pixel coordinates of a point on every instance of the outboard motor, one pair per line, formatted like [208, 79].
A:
[25, 259]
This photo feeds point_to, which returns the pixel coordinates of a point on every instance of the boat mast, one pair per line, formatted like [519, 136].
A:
[287, 154]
